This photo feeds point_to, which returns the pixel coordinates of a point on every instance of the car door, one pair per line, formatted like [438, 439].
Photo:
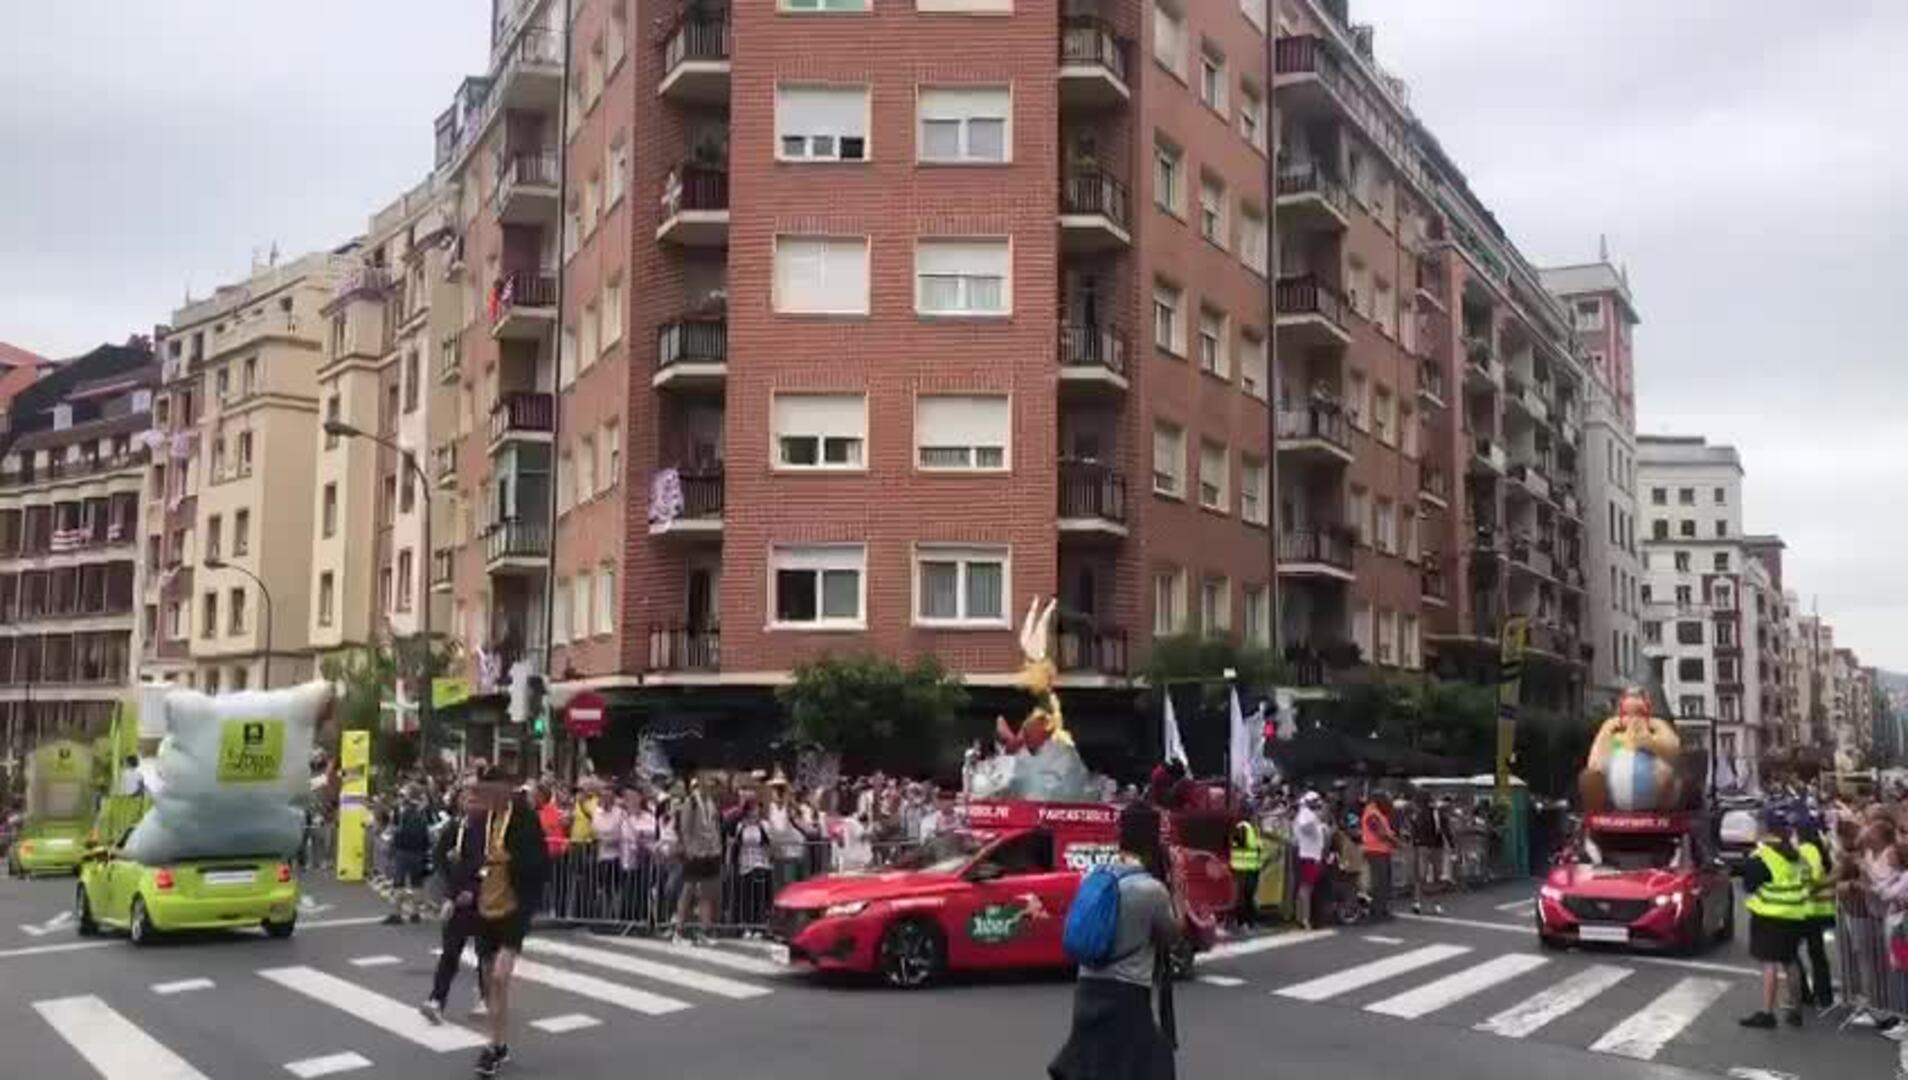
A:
[1012, 909]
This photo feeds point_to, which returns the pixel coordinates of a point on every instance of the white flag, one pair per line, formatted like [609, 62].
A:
[1242, 744]
[1175, 746]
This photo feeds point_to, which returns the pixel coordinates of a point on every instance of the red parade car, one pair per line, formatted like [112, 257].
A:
[993, 895]
[1643, 880]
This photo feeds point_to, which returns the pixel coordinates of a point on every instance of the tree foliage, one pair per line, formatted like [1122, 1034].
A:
[366, 677]
[870, 709]
[1455, 720]
[1197, 658]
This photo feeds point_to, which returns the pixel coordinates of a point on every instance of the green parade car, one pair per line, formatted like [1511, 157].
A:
[199, 894]
[47, 847]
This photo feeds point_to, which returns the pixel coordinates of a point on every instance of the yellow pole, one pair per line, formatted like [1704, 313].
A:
[354, 761]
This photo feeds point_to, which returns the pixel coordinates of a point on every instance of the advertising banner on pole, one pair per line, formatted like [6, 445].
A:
[354, 767]
[1512, 640]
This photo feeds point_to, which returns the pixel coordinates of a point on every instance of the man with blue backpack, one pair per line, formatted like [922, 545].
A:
[1120, 930]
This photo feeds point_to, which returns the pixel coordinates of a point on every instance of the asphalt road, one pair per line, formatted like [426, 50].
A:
[1391, 1001]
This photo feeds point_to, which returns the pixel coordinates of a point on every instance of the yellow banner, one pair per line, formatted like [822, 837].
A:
[1512, 641]
[449, 690]
[354, 766]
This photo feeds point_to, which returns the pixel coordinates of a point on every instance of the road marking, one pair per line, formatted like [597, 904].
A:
[385, 960]
[362, 920]
[312, 907]
[114, 1046]
[167, 989]
[1221, 980]
[68, 946]
[709, 955]
[1363, 975]
[1524, 928]
[1380, 939]
[1247, 946]
[1516, 905]
[1534, 1012]
[602, 990]
[1644, 1032]
[385, 1013]
[1743, 1072]
[328, 1065]
[1475, 924]
[1457, 986]
[648, 969]
[49, 926]
[557, 1025]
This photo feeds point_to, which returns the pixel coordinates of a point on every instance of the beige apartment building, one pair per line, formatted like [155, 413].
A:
[227, 565]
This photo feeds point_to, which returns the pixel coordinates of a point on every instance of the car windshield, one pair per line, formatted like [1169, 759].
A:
[1636, 851]
[941, 854]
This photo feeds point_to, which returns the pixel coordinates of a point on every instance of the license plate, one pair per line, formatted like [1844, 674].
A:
[778, 954]
[60, 842]
[1615, 935]
[229, 877]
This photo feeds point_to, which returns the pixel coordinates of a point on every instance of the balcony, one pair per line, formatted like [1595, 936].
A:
[696, 62]
[1431, 281]
[1092, 64]
[1432, 586]
[517, 547]
[695, 206]
[1307, 312]
[692, 353]
[1311, 200]
[523, 305]
[528, 188]
[1525, 399]
[531, 76]
[522, 416]
[1093, 357]
[1434, 485]
[1316, 434]
[444, 465]
[1482, 371]
[443, 569]
[1532, 477]
[1090, 652]
[677, 648]
[1092, 500]
[1308, 79]
[1488, 454]
[1565, 495]
[1094, 212]
[1316, 553]
[686, 503]
[1431, 384]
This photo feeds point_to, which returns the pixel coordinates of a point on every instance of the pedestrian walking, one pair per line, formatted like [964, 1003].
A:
[410, 856]
[1378, 842]
[1310, 834]
[699, 826]
[457, 878]
[1777, 878]
[1114, 1035]
[513, 865]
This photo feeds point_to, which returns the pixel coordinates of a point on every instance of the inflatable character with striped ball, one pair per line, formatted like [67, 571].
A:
[1632, 763]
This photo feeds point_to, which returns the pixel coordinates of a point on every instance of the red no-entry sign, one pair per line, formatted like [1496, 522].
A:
[587, 715]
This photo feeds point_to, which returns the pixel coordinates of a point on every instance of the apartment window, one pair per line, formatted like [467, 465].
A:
[1726, 671]
[1252, 116]
[1686, 529]
[1358, 513]
[1252, 365]
[605, 599]
[1384, 415]
[407, 492]
[612, 444]
[566, 482]
[223, 383]
[209, 615]
[963, 277]
[413, 378]
[1361, 629]
[214, 526]
[1169, 323]
[1409, 431]
[248, 379]
[212, 680]
[1169, 460]
[1721, 496]
[327, 598]
[1722, 528]
[384, 589]
[612, 313]
[968, 124]
[1212, 476]
[586, 488]
[1212, 343]
[566, 357]
[1256, 608]
[1686, 496]
[1169, 603]
[1685, 596]
[1689, 632]
[245, 453]
[1252, 242]
[1358, 400]
[961, 586]
[822, 275]
[1384, 516]
[1589, 314]
[175, 621]
[1169, 173]
[1386, 627]
[560, 631]
[618, 171]
[1215, 605]
[819, 586]
[592, 204]
[242, 532]
[241, 678]
[821, 123]
[1722, 562]
[1169, 36]
[580, 596]
[1689, 706]
[962, 431]
[820, 431]
[1682, 561]
[1659, 496]
[404, 570]
[1690, 669]
[1212, 209]
[237, 606]
[617, 37]
[1659, 529]
[1252, 490]
[1384, 307]
[1212, 78]
[1411, 646]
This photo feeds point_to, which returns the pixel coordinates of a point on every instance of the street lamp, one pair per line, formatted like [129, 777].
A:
[343, 430]
[215, 563]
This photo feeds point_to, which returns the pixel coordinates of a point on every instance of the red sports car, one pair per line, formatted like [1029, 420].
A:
[1647, 881]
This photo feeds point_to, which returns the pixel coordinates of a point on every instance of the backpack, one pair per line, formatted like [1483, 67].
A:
[413, 830]
[1093, 920]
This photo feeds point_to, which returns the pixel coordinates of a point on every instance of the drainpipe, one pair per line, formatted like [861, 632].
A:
[1272, 522]
[547, 748]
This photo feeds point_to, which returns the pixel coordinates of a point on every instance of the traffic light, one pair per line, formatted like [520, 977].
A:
[527, 698]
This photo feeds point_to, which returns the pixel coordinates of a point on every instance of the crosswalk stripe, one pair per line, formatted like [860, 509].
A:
[1354, 978]
[1457, 986]
[330, 1064]
[1247, 946]
[114, 1046]
[167, 989]
[385, 1013]
[385, 960]
[710, 954]
[603, 990]
[557, 1025]
[1552, 1002]
[648, 969]
[1643, 1033]
[1222, 980]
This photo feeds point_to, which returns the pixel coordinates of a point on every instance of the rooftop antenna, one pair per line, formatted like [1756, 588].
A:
[1603, 247]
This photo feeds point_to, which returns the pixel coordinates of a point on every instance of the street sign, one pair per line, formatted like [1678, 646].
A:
[1512, 640]
[587, 715]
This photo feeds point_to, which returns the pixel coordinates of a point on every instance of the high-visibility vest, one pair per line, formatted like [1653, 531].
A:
[1373, 831]
[1822, 891]
[1248, 850]
[1785, 895]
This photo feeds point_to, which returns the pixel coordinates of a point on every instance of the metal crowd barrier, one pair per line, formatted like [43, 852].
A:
[1870, 981]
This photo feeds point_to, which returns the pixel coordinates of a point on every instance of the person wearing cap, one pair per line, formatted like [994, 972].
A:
[1310, 835]
[1780, 882]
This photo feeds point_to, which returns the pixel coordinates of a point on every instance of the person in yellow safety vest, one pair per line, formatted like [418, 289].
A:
[1821, 915]
[1248, 855]
[1780, 882]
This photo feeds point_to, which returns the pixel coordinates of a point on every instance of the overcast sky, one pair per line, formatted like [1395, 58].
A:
[1745, 158]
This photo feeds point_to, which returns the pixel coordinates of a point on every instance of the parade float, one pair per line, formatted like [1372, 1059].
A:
[60, 791]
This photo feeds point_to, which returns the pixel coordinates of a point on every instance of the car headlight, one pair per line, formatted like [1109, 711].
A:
[1667, 899]
[842, 911]
[1551, 893]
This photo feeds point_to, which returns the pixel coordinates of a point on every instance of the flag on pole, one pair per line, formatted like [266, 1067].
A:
[1243, 748]
[1175, 747]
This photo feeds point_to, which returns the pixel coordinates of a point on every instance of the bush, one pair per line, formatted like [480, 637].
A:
[871, 710]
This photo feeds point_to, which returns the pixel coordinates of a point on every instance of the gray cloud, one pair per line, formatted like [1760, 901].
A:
[1743, 163]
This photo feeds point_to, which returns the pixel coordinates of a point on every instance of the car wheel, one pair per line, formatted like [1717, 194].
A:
[83, 913]
[281, 930]
[912, 954]
[142, 930]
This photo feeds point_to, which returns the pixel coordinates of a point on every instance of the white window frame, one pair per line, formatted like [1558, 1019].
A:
[1254, 490]
[1384, 525]
[560, 629]
[962, 105]
[828, 245]
[1256, 601]
[1169, 602]
[1252, 116]
[857, 462]
[813, 148]
[1170, 45]
[1169, 177]
[1169, 303]
[1215, 337]
[1254, 366]
[1215, 492]
[604, 623]
[1213, 73]
[820, 559]
[963, 557]
[1253, 238]
[1215, 604]
[1175, 485]
[926, 249]
[1213, 210]
[974, 452]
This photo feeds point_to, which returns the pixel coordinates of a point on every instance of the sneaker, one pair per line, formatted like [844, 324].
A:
[432, 1010]
[503, 1052]
[1793, 1017]
[479, 1009]
[393, 919]
[416, 918]
[1899, 1033]
[1863, 1019]
[1758, 1020]
[487, 1062]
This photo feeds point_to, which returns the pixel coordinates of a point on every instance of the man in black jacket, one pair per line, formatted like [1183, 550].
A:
[457, 881]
